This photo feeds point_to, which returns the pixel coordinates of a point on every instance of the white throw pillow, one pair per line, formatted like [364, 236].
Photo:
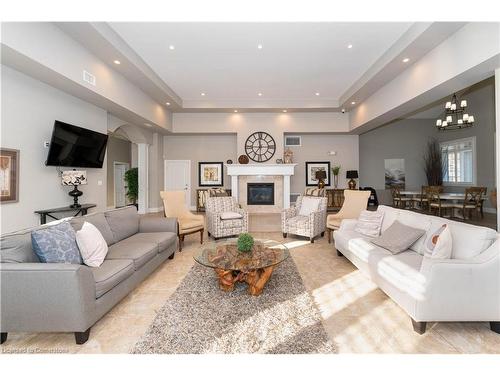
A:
[369, 223]
[308, 206]
[230, 215]
[92, 245]
[439, 244]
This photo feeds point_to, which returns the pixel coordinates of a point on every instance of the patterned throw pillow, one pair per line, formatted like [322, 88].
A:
[309, 205]
[398, 237]
[439, 244]
[369, 223]
[56, 244]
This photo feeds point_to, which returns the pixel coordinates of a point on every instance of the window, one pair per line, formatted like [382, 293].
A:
[459, 160]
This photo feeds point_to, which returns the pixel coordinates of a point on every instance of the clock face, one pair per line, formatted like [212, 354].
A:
[260, 147]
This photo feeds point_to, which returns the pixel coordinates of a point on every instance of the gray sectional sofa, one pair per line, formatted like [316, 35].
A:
[57, 297]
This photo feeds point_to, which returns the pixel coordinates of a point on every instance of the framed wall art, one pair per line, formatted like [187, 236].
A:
[210, 174]
[9, 175]
[315, 166]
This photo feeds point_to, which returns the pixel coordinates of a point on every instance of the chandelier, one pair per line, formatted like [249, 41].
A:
[455, 116]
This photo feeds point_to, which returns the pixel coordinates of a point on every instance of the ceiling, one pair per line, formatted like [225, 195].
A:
[296, 61]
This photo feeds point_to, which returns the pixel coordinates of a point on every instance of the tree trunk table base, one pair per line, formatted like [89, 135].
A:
[256, 279]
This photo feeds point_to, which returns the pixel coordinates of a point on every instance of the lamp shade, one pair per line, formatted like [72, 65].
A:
[320, 175]
[74, 178]
[351, 174]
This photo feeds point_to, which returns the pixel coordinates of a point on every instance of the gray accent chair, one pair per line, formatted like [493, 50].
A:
[57, 297]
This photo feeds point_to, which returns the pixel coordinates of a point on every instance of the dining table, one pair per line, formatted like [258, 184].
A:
[443, 196]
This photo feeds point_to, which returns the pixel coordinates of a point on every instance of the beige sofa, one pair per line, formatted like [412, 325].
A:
[463, 288]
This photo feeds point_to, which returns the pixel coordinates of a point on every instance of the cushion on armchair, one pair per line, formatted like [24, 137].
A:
[228, 215]
[308, 206]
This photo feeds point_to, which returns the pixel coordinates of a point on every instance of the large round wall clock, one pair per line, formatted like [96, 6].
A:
[260, 147]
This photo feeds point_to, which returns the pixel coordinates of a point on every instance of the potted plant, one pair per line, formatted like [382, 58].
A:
[245, 242]
[433, 163]
[132, 180]
[335, 172]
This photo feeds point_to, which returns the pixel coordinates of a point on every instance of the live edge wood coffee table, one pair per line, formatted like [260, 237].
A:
[231, 266]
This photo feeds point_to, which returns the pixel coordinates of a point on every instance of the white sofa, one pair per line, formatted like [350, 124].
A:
[463, 288]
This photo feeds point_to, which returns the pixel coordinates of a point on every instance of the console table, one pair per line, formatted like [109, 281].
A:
[49, 212]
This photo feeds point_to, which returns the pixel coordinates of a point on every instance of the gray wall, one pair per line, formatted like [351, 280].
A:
[29, 109]
[407, 139]
[118, 150]
[204, 147]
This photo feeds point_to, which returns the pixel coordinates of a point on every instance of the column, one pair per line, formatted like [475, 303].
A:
[286, 191]
[143, 165]
[234, 187]
[497, 140]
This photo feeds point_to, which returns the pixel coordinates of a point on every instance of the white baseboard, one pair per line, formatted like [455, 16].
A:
[152, 210]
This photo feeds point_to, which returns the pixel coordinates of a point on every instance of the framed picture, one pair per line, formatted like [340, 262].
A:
[9, 175]
[314, 166]
[210, 174]
[394, 173]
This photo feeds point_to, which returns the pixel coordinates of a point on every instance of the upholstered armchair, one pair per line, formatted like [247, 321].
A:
[224, 217]
[175, 206]
[355, 201]
[307, 218]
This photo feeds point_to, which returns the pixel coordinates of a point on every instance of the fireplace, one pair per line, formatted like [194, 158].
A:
[260, 193]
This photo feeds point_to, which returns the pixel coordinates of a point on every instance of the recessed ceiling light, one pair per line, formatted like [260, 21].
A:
[167, 103]
[349, 46]
[285, 110]
[117, 62]
[259, 46]
[203, 94]
[171, 47]
[406, 59]
[317, 94]
[353, 103]
[235, 111]
[260, 94]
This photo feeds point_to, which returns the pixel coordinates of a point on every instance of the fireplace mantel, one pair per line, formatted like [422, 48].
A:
[285, 170]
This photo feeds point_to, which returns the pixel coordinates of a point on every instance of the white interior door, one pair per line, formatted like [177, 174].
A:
[178, 177]
[119, 182]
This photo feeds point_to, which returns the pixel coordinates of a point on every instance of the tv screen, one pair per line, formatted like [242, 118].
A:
[72, 146]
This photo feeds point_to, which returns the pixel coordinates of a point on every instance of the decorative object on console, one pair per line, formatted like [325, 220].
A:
[312, 167]
[74, 178]
[243, 159]
[352, 175]
[288, 156]
[455, 116]
[394, 173]
[210, 174]
[320, 176]
[229, 161]
[433, 163]
[336, 171]
[279, 161]
[245, 242]
[260, 147]
[9, 175]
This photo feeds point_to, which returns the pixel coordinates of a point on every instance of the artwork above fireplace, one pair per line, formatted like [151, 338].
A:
[260, 193]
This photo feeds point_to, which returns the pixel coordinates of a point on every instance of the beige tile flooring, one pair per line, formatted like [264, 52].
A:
[358, 317]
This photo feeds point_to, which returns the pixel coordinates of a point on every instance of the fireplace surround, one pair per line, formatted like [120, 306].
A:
[260, 193]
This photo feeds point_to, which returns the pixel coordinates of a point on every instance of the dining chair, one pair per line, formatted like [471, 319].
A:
[421, 200]
[472, 201]
[398, 200]
[435, 202]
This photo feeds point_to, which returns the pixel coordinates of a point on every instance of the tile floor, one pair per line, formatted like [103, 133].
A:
[358, 317]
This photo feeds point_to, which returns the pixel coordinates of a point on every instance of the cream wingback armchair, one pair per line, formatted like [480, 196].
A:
[355, 201]
[224, 217]
[307, 218]
[175, 206]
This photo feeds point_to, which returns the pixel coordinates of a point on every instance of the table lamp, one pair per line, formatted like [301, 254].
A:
[352, 175]
[320, 176]
[74, 178]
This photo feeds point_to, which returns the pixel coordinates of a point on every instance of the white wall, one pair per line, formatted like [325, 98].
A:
[29, 109]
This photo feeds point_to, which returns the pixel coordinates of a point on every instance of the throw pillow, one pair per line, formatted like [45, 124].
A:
[92, 245]
[230, 215]
[308, 206]
[56, 244]
[369, 223]
[398, 237]
[439, 244]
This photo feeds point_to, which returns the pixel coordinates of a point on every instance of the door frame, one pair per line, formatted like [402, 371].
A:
[188, 191]
[115, 163]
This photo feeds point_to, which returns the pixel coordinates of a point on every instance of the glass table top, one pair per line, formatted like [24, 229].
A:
[224, 254]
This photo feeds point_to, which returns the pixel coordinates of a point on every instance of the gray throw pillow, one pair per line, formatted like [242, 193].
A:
[398, 237]
[56, 244]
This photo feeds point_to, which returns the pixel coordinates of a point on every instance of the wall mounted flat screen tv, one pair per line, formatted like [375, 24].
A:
[73, 146]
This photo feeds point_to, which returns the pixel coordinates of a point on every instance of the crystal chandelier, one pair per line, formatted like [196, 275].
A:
[455, 116]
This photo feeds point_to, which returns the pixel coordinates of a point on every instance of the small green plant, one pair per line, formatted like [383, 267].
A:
[336, 170]
[245, 242]
[132, 181]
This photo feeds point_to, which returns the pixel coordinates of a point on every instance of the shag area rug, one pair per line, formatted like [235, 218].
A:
[200, 318]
